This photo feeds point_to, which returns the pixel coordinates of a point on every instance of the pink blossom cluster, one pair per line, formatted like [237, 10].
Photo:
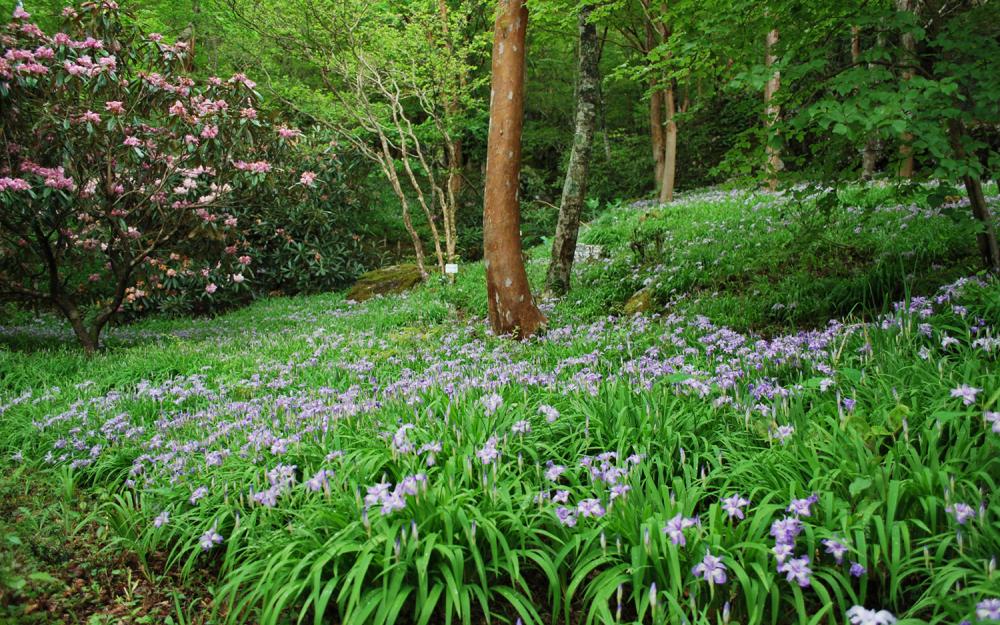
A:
[243, 80]
[85, 66]
[289, 133]
[204, 107]
[14, 184]
[257, 167]
[55, 177]
[182, 87]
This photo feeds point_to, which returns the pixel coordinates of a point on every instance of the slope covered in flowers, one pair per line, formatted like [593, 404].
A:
[392, 462]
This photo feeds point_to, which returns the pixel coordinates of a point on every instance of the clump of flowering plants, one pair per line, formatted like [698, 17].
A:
[116, 167]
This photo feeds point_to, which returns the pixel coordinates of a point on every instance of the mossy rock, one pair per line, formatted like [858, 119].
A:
[394, 279]
[640, 302]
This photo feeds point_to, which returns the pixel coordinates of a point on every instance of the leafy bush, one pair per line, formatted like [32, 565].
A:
[131, 188]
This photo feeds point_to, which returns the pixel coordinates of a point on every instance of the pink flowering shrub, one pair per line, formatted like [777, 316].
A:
[121, 178]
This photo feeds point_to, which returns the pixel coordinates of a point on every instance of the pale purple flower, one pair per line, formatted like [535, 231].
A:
[962, 512]
[785, 530]
[988, 610]
[782, 551]
[994, 418]
[551, 414]
[491, 403]
[199, 493]
[561, 496]
[860, 615]
[711, 569]
[566, 516]
[210, 538]
[554, 471]
[857, 570]
[161, 519]
[836, 549]
[489, 451]
[318, 481]
[734, 504]
[848, 404]
[590, 508]
[521, 427]
[619, 490]
[675, 528]
[803, 507]
[797, 570]
[966, 393]
[783, 433]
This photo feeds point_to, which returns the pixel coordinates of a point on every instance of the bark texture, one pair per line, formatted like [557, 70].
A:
[574, 192]
[512, 310]
[772, 112]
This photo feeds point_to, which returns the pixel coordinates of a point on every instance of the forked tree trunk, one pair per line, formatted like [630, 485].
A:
[670, 146]
[575, 186]
[910, 46]
[772, 112]
[512, 310]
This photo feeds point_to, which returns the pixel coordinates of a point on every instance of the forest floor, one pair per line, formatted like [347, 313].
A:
[832, 363]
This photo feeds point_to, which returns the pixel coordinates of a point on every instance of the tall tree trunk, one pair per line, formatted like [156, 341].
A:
[868, 153]
[453, 147]
[656, 134]
[910, 46]
[989, 248]
[772, 112]
[512, 309]
[575, 186]
[670, 146]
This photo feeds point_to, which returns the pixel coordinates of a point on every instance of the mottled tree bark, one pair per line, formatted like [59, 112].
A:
[512, 310]
[772, 112]
[574, 192]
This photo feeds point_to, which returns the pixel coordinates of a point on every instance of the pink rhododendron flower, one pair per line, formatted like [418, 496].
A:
[114, 107]
[308, 178]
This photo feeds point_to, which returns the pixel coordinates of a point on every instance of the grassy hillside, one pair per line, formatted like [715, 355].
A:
[311, 458]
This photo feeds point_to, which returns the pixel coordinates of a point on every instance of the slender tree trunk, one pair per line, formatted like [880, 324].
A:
[574, 191]
[989, 248]
[453, 147]
[657, 135]
[772, 112]
[512, 309]
[670, 147]
[656, 132]
[868, 153]
[910, 46]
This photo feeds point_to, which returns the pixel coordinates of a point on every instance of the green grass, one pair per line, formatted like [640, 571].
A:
[218, 403]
